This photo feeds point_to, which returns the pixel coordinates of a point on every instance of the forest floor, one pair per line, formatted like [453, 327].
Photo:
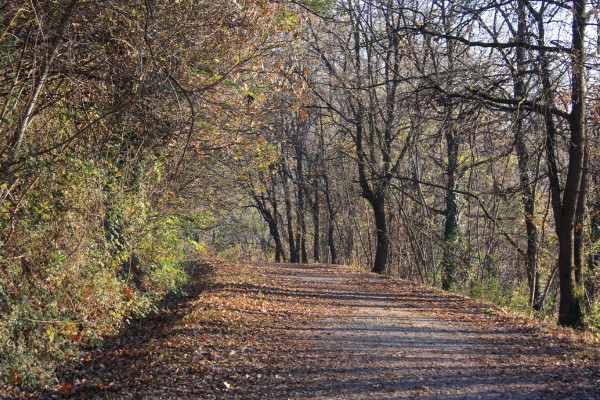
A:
[280, 331]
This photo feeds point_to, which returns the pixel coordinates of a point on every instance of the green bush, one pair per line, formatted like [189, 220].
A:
[592, 317]
[64, 283]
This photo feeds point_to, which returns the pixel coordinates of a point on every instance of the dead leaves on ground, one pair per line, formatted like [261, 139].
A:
[231, 337]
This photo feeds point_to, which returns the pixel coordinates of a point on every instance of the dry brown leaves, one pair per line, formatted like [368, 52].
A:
[258, 331]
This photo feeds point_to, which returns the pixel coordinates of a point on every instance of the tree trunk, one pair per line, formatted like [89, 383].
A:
[524, 161]
[452, 213]
[580, 214]
[294, 254]
[528, 200]
[315, 208]
[279, 254]
[271, 220]
[377, 200]
[570, 311]
[565, 209]
[330, 222]
[381, 253]
[300, 209]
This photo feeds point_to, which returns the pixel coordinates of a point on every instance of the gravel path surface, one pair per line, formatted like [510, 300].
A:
[385, 344]
[279, 331]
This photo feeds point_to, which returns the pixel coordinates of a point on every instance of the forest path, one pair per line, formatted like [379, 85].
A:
[281, 331]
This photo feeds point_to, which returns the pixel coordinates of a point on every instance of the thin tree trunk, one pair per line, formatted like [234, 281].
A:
[524, 161]
[279, 250]
[315, 208]
[528, 200]
[451, 227]
[300, 209]
[330, 222]
[452, 211]
[271, 221]
[580, 222]
[376, 199]
[294, 254]
[17, 139]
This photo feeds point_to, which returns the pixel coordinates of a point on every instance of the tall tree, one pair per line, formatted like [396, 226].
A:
[363, 58]
[566, 197]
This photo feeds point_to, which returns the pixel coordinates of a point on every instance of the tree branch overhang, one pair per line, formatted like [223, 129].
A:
[424, 30]
[514, 104]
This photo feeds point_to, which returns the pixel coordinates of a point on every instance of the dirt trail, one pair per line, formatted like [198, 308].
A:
[392, 340]
[277, 331]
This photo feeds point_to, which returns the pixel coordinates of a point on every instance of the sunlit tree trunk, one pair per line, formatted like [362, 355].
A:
[571, 292]
[524, 160]
[452, 213]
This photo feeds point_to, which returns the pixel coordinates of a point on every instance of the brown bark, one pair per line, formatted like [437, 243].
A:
[571, 294]
[524, 161]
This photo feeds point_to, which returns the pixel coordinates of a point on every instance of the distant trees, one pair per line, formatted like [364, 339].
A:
[503, 85]
[527, 53]
[363, 60]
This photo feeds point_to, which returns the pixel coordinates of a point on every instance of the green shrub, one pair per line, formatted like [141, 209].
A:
[592, 317]
[63, 282]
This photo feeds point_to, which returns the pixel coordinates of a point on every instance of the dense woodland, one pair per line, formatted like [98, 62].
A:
[453, 143]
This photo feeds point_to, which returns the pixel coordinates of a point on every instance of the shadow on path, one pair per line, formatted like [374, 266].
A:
[320, 332]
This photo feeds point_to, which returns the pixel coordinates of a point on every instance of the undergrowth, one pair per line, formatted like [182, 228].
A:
[88, 249]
